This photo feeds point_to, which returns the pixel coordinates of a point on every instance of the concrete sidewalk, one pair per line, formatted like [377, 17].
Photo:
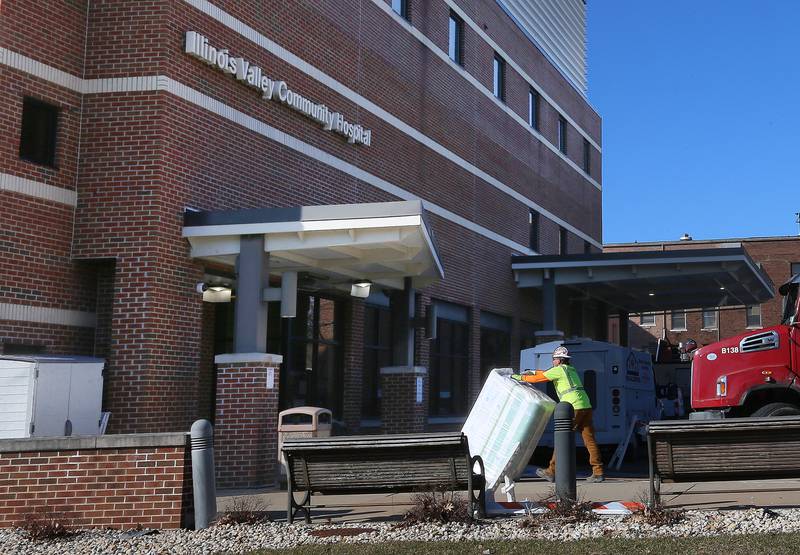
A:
[617, 487]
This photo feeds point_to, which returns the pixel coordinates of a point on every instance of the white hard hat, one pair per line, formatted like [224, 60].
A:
[561, 352]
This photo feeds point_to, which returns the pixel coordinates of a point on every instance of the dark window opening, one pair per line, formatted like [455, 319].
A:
[39, 126]
[401, 8]
[499, 79]
[533, 237]
[449, 362]
[563, 247]
[587, 247]
[533, 109]
[587, 157]
[455, 44]
[377, 355]
[562, 135]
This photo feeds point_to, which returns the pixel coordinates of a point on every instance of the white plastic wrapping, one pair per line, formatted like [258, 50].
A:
[505, 425]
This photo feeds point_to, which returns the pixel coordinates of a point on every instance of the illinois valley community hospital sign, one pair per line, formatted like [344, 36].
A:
[252, 75]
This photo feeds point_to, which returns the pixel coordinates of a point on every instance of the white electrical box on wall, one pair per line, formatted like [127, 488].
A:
[47, 396]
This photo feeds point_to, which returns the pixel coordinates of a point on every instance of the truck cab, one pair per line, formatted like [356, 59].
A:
[753, 373]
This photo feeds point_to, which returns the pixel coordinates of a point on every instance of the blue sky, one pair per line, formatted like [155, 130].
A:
[700, 103]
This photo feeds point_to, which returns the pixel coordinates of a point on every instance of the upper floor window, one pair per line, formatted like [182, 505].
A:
[499, 79]
[753, 316]
[533, 237]
[455, 43]
[794, 269]
[39, 126]
[533, 109]
[562, 135]
[678, 320]
[401, 8]
[587, 247]
[563, 247]
[587, 157]
[647, 319]
[710, 320]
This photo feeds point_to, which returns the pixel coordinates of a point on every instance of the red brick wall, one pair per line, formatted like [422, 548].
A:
[246, 425]
[400, 412]
[96, 487]
[137, 159]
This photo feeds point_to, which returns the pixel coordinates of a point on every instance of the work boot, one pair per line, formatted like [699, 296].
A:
[596, 478]
[542, 473]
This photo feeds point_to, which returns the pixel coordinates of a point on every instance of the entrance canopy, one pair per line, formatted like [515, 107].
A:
[652, 281]
[380, 242]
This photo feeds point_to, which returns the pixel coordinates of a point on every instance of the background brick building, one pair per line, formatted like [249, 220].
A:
[778, 256]
[110, 132]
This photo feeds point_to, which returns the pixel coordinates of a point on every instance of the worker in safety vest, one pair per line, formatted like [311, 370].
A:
[569, 389]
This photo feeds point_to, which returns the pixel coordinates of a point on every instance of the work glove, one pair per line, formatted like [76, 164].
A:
[518, 377]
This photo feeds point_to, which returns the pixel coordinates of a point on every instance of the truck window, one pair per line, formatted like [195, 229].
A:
[590, 385]
[789, 304]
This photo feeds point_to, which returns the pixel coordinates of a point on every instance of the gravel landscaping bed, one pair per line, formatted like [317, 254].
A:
[244, 538]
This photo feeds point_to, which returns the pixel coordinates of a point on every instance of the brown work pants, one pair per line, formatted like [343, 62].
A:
[582, 422]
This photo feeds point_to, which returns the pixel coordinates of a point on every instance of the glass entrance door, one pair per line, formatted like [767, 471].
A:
[312, 369]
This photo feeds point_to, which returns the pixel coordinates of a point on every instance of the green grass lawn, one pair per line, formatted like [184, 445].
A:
[717, 545]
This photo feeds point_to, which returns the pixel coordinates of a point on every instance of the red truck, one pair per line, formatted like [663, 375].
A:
[752, 374]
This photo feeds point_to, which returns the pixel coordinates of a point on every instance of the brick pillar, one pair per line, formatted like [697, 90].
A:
[404, 399]
[246, 423]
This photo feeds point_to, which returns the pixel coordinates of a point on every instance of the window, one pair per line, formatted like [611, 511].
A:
[377, 355]
[312, 373]
[455, 44]
[449, 362]
[401, 8]
[753, 316]
[647, 319]
[710, 321]
[587, 157]
[499, 78]
[587, 247]
[533, 109]
[678, 320]
[495, 343]
[563, 247]
[794, 269]
[562, 135]
[38, 139]
[533, 238]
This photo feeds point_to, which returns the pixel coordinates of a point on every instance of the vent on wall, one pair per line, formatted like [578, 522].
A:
[759, 342]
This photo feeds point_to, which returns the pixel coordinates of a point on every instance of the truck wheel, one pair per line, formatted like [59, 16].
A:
[777, 409]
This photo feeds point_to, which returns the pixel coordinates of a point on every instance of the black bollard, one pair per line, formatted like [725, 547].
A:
[565, 453]
[203, 479]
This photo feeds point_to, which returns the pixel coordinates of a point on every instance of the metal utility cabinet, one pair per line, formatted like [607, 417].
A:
[45, 396]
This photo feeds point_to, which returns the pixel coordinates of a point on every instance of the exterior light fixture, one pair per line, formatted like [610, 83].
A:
[722, 288]
[360, 288]
[217, 294]
[651, 294]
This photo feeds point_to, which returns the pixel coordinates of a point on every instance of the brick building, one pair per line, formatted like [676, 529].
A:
[779, 257]
[130, 128]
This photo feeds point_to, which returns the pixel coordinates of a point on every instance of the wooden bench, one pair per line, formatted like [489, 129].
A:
[381, 464]
[720, 450]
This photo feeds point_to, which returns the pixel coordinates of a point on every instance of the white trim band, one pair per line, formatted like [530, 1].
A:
[16, 184]
[45, 315]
